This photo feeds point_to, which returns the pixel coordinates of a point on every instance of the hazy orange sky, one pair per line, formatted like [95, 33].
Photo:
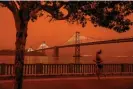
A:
[53, 33]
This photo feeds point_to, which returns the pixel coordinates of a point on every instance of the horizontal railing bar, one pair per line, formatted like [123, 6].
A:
[66, 69]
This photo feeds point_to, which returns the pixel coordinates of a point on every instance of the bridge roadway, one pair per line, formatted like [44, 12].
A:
[94, 43]
[73, 83]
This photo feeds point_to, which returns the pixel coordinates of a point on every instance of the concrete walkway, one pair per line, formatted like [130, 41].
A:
[73, 83]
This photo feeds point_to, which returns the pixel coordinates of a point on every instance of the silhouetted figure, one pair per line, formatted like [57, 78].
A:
[99, 64]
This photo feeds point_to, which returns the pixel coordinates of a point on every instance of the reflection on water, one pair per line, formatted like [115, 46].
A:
[64, 60]
[111, 53]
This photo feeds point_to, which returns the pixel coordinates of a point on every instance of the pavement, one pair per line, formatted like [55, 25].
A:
[73, 83]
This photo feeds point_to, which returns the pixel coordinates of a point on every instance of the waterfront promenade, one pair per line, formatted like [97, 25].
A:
[73, 83]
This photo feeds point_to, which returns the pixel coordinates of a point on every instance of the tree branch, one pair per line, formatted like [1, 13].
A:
[10, 5]
[16, 9]
[7, 4]
[51, 10]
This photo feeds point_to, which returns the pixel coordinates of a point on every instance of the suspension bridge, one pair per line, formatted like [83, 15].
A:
[77, 41]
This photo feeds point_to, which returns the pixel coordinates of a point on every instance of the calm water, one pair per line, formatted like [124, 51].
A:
[111, 53]
[63, 60]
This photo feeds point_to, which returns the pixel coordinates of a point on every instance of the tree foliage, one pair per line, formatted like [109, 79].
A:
[109, 14]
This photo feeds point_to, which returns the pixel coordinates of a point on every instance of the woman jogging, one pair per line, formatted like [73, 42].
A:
[99, 64]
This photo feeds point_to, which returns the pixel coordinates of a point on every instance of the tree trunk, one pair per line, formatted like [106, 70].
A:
[21, 35]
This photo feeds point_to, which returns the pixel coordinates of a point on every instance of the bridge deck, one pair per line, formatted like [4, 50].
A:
[122, 40]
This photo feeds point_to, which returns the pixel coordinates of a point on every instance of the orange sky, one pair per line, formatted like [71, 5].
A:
[54, 33]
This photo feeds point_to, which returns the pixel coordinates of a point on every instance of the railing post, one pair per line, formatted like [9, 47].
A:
[122, 68]
[3, 69]
[71, 68]
[132, 68]
[77, 68]
[39, 68]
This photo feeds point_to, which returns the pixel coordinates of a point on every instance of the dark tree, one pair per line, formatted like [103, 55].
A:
[109, 14]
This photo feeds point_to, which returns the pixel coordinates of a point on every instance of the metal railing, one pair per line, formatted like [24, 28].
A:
[66, 69]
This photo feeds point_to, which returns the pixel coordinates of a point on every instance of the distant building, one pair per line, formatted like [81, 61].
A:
[43, 46]
[30, 49]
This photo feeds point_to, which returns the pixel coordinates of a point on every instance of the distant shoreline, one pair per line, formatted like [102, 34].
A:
[24, 55]
[12, 53]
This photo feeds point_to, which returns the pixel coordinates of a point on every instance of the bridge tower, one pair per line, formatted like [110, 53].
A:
[77, 48]
[42, 47]
[56, 51]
